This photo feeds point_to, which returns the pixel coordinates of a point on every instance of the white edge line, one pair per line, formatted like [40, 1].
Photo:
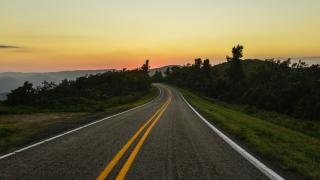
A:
[258, 164]
[76, 129]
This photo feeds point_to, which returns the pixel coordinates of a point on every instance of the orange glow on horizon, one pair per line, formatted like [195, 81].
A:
[116, 34]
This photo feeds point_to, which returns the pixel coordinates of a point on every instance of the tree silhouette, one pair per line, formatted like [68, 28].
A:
[235, 72]
[237, 52]
[23, 95]
[206, 66]
[145, 67]
[197, 62]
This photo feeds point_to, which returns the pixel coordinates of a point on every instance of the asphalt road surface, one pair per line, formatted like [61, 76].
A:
[164, 139]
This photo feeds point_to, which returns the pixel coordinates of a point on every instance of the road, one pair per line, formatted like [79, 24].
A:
[164, 139]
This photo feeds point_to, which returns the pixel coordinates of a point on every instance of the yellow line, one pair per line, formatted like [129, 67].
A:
[119, 155]
[136, 150]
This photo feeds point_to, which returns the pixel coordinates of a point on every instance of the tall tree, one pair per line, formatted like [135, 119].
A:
[237, 52]
[235, 72]
[145, 67]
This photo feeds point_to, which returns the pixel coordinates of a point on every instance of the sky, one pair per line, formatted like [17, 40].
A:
[47, 35]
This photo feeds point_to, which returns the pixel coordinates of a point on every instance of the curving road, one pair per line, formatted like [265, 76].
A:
[163, 139]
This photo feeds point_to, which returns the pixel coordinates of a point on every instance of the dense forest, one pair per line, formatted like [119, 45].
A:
[279, 86]
[87, 93]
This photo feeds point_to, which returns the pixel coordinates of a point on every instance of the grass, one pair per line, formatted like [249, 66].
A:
[282, 141]
[18, 130]
[311, 128]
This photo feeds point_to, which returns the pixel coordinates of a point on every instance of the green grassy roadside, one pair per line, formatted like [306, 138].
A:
[294, 148]
[18, 130]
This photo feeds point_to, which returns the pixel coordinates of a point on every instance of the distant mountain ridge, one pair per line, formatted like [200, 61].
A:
[12, 80]
[161, 69]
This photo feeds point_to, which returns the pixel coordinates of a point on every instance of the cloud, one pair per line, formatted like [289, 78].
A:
[8, 47]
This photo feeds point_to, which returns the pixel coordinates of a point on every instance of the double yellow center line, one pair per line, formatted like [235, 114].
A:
[153, 120]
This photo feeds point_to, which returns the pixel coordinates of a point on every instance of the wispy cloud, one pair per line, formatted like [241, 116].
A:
[8, 47]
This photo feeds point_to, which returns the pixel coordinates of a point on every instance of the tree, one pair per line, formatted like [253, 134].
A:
[23, 95]
[145, 67]
[206, 66]
[235, 71]
[237, 52]
[197, 62]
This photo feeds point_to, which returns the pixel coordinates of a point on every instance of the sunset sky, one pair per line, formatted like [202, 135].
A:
[53, 35]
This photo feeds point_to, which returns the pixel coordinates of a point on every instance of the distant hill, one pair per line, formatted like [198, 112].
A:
[12, 80]
[162, 69]
[249, 65]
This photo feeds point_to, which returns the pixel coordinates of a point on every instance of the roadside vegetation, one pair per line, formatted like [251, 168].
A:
[273, 85]
[87, 93]
[271, 106]
[283, 142]
[34, 113]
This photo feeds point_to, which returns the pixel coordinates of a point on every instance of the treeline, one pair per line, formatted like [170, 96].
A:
[88, 93]
[280, 86]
